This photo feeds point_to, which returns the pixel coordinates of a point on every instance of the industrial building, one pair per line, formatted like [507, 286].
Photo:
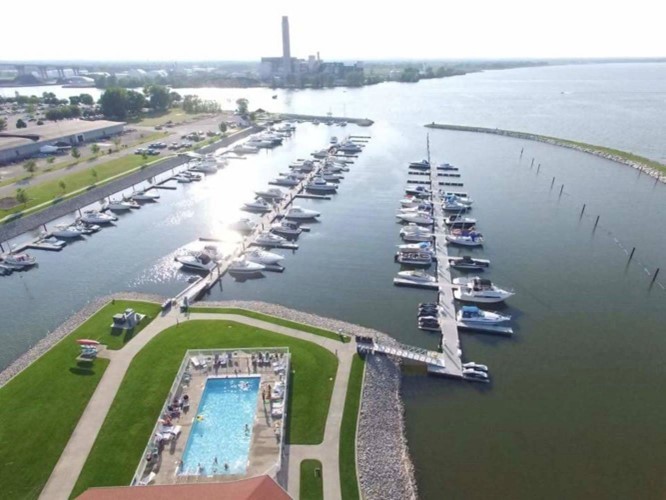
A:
[72, 132]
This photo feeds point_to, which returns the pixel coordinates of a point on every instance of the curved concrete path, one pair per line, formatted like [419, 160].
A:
[66, 472]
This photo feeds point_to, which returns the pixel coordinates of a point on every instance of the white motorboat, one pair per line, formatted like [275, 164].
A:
[183, 179]
[334, 140]
[142, 196]
[425, 246]
[303, 165]
[286, 228]
[263, 257]
[479, 290]
[330, 176]
[67, 231]
[349, 147]
[18, 260]
[414, 258]
[271, 194]
[319, 185]
[298, 175]
[415, 233]
[416, 217]
[116, 205]
[288, 180]
[322, 153]
[95, 217]
[205, 165]
[244, 266]
[421, 165]
[243, 225]
[85, 228]
[470, 373]
[451, 204]
[475, 366]
[465, 238]
[259, 144]
[242, 149]
[298, 213]
[419, 190]
[467, 263]
[417, 276]
[474, 315]
[457, 196]
[459, 221]
[269, 239]
[258, 205]
[334, 166]
[198, 261]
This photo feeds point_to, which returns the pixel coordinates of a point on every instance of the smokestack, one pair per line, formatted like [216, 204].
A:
[286, 49]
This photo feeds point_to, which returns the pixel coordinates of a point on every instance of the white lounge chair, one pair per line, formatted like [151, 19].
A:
[148, 479]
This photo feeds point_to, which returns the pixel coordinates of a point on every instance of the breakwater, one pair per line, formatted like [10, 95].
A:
[26, 223]
[650, 167]
[363, 122]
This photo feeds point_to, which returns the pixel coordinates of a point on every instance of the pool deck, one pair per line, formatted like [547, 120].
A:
[70, 464]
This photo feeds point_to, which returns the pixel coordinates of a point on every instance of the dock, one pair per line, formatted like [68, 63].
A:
[412, 284]
[450, 342]
[312, 196]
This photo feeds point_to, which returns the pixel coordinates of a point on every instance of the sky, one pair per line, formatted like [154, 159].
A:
[343, 29]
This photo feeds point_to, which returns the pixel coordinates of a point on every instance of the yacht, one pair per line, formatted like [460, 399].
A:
[315, 122]
[142, 196]
[258, 205]
[288, 180]
[446, 166]
[457, 196]
[465, 238]
[425, 246]
[467, 263]
[475, 366]
[95, 217]
[271, 194]
[349, 147]
[476, 316]
[342, 124]
[243, 225]
[479, 290]
[298, 213]
[470, 373]
[409, 234]
[86, 228]
[335, 166]
[263, 257]
[334, 140]
[297, 175]
[421, 165]
[243, 266]
[419, 190]
[451, 204]
[415, 201]
[459, 221]
[242, 149]
[322, 153]
[286, 228]
[416, 217]
[182, 178]
[205, 165]
[18, 260]
[419, 276]
[303, 165]
[198, 261]
[268, 239]
[414, 258]
[319, 185]
[67, 231]
[330, 176]
[120, 205]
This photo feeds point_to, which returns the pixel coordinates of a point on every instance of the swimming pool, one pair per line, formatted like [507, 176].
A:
[218, 434]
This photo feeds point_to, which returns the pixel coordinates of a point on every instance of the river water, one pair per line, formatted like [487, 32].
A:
[575, 407]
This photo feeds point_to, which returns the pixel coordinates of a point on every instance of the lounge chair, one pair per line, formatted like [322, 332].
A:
[177, 429]
[148, 479]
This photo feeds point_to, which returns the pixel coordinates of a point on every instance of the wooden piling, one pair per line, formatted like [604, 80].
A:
[583, 211]
[538, 168]
[552, 182]
[631, 255]
[561, 189]
[654, 276]
[596, 221]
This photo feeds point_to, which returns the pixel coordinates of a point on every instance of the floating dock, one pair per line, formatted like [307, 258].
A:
[413, 284]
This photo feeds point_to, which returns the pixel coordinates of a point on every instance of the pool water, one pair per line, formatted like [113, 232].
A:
[218, 434]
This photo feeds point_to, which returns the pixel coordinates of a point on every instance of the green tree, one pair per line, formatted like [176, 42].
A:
[116, 142]
[136, 101]
[86, 99]
[242, 104]
[76, 153]
[50, 98]
[158, 95]
[175, 97]
[93, 172]
[94, 149]
[3, 124]
[114, 103]
[30, 166]
[21, 195]
[21, 124]
[63, 186]
[75, 100]
[223, 127]
[50, 160]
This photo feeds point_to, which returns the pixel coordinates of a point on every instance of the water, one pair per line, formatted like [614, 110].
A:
[227, 407]
[574, 409]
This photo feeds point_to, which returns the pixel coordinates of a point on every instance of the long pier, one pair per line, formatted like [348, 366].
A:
[446, 311]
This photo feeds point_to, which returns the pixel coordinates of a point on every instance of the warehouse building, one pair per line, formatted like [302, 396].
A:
[72, 132]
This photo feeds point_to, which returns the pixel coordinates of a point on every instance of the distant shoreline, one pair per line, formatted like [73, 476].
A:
[650, 167]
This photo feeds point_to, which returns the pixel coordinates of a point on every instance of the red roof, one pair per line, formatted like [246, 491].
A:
[256, 488]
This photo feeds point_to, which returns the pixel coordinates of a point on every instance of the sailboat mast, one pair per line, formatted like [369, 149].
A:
[428, 147]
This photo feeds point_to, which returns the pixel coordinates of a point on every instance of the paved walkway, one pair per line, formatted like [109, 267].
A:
[71, 462]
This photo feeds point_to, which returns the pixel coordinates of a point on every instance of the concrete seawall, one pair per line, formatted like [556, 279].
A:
[650, 167]
[21, 225]
[363, 122]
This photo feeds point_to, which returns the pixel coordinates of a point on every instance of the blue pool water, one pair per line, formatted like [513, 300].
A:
[227, 406]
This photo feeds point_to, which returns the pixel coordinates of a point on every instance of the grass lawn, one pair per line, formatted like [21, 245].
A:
[312, 482]
[101, 330]
[40, 407]
[174, 114]
[125, 432]
[348, 478]
[272, 319]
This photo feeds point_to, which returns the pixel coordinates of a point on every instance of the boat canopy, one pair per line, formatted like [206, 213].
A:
[470, 309]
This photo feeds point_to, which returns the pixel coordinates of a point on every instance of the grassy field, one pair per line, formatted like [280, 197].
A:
[272, 319]
[40, 407]
[175, 115]
[348, 478]
[101, 329]
[126, 430]
[312, 481]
